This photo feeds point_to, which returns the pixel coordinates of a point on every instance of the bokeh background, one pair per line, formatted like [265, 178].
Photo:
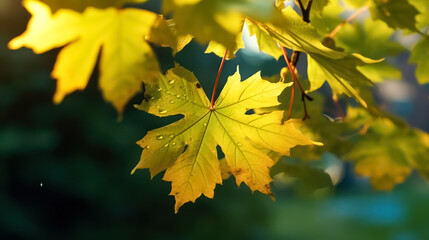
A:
[65, 169]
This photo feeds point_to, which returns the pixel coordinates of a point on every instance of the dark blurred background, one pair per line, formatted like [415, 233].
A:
[65, 169]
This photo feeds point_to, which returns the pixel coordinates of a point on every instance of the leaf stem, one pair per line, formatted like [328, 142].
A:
[348, 20]
[217, 80]
[295, 81]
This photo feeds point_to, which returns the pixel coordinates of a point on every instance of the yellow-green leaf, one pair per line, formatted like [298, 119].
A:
[341, 74]
[387, 152]
[265, 42]
[324, 64]
[220, 21]
[422, 18]
[288, 29]
[186, 149]
[81, 5]
[419, 56]
[330, 20]
[126, 59]
[219, 49]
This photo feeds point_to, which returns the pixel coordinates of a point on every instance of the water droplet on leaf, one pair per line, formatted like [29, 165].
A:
[171, 81]
[239, 144]
[171, 101]
[162, 111]
[159, 137]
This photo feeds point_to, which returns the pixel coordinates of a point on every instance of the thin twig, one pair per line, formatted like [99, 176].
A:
[295, 81]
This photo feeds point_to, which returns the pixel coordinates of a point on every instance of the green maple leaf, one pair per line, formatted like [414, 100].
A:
[388, 150]
[126, 58]
[342, 75]
[186, 149]
[419, 55]
[396, 13]
[324, 64]
[81, 5]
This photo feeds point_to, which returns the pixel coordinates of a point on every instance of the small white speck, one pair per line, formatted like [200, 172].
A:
[41, 184]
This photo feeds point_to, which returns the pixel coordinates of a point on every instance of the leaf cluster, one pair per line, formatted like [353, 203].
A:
[254, 121]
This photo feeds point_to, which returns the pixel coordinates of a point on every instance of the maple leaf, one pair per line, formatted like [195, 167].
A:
[371, 39]
[126, 59]
[396, 13]
[330, 20]
[187, 148]
[388, 150]
[422, 18]
[419, 56]
[324, 64]
[80, 5]
[220, 50]
[163, 32]
[220, 21]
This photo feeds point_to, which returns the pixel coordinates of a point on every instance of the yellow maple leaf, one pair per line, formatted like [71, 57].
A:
[126, 59]
[187, 148]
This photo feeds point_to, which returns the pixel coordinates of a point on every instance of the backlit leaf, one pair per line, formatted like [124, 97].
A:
[330, 20]
[422, 18]
[219, 49]
[186, 149]
[266, 43]
[216, 20]
[324, 64]
[126, 59]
